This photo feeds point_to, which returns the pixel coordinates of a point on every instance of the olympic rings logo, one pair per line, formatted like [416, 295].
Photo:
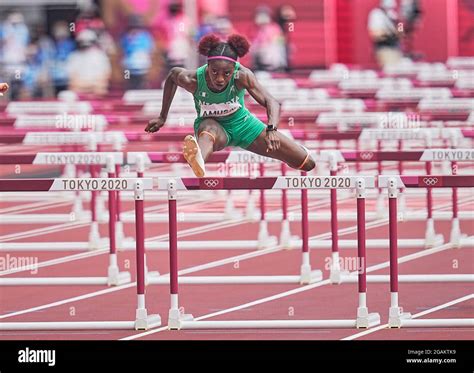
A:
[211, 183]
[430, 181]
[366, 155]
[172, 157]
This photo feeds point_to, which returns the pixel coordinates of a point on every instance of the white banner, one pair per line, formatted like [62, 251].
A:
[322, 182]
[248, 157]
[448, 155]
[78, 158]
[101, 184]
[65, 138]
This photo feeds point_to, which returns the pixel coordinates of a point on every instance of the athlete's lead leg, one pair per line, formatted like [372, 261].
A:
[211, 137]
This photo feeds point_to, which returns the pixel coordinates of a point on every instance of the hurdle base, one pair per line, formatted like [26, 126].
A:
[285, 235]
[225, 280]
[69, 325]
[116, 278]
[397, 316]
[456, 236]
[438, 323]
[144, 322]
[336, 275]
[269, 324]
[308, 276]
[430, 235]
[265, 241]
[365, 319]
[150, 276]
[176, 319]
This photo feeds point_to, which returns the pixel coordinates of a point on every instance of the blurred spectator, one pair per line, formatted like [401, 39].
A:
[286, 15]
[88, 68]
[89, 19]
[138, 47]
[217, 25]
[411, 13]
[63, 46]
[34, 75]
[382, 27]
[268, 47]
[223, 27]
[175, 32]
[14, 40]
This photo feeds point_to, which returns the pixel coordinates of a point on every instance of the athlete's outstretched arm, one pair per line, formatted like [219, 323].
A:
[177, 77]
[248, 81]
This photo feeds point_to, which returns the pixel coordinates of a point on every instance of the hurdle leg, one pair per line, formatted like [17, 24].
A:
[118, 221]
[336, 274]
[364, 318]
[285, 236]
[175, 317]
[307, 276]
[401, 200]
[94, 235]
[115, 277]
[396, 313]
[380, 204]
[455, 234]
[250, 208]
[77, 208]
[142, 320]
[264, 239]
[430, 234]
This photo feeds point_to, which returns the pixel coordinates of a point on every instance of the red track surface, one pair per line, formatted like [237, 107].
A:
[33, 303]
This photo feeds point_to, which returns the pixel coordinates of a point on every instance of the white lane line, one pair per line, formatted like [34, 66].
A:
[188, 270]
[41, 231]
[34, 206]
[307, 287]
[59, 227]
[182, 233]
[415, 316]
[68, 300]
[295, 291]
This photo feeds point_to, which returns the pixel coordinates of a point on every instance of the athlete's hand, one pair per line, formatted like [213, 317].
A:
[155, 124]
[272, 140]
[3, 88]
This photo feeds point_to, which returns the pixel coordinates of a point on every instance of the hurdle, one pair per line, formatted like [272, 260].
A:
[41, 138]
[74, 158]
[142, 320]
[427, 156]
[398, 318]
[114, 276]
[176, 320]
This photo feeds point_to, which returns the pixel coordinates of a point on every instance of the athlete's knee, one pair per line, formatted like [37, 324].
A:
[208, 130]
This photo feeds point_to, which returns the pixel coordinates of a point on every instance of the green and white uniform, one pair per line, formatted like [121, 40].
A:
[228, 109]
